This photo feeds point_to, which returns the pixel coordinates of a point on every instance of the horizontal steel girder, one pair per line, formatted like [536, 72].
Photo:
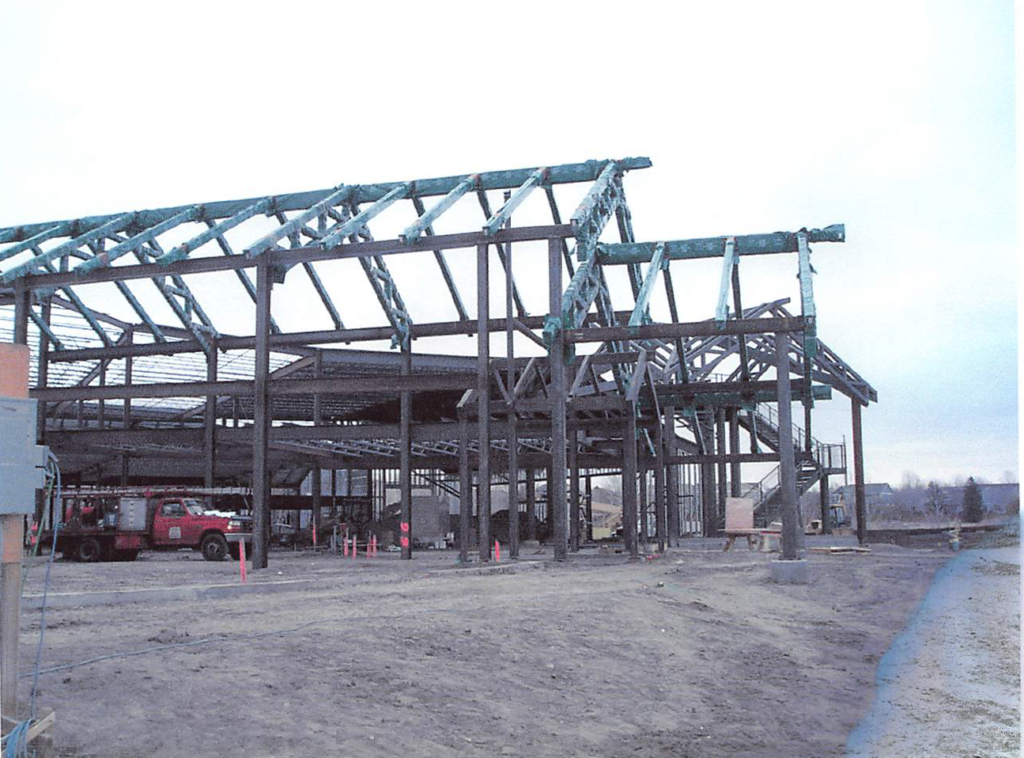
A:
[714, 247]
[285, 259]
[690, 329]
[369, 385]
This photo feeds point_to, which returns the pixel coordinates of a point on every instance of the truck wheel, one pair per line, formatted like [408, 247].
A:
[126, 555]
[88, 550]
[214, 547]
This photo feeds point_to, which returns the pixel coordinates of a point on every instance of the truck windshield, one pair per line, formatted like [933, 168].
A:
[195, 507]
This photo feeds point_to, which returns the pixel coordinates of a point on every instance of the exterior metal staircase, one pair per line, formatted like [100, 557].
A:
[823, 460]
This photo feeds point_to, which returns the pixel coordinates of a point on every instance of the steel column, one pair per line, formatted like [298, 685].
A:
[735, 474]
[483, 397]
[787, 467]
[629, 466]
[671, 476]
[261, 422]
[209, 420]
[574, 491]
[316, 488]
[858, 473]
[643, 504]
[405, 456]
[531, 504]
[465, 487]
[826, 510]
[723, 483]
[660, 513]
[513, 430]
[556, 353]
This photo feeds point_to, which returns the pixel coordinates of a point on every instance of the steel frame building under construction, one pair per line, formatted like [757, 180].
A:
[606, 389]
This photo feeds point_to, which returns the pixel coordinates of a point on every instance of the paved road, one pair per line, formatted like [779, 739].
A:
[950, 684]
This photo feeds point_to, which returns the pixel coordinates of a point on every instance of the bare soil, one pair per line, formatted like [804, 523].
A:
[695, 653]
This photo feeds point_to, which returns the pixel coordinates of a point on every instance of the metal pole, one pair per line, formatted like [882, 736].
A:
[858, 473]
[405, 456]
[735, 475]
[209, 420]
[629, 484]
[574, 491]
[513, 484]
[672, 477]
[826, 512]
[465, 488]
[723, 468]
[261, 422]
[644, 504]
[483, 397]
[787, 465]
[513, 432]
[556, 355]
[660, 525]
[316, 484]
[590, 510]
[531, 504]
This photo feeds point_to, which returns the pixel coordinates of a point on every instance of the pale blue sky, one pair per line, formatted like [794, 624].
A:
[894, 118]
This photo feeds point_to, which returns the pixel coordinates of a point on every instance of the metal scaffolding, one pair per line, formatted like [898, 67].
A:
[605, 389]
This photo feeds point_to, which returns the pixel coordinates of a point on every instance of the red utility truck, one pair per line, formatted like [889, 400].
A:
[110, 527]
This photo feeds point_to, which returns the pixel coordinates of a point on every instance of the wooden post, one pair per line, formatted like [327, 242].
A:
[12, 526]
[660, 525]
[723, 467]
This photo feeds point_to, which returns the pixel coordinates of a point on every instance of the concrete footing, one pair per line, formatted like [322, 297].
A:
[790, 572]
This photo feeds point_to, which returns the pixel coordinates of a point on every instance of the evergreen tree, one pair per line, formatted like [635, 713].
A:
[974, 507]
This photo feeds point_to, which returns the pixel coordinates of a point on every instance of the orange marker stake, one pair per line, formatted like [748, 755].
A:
[497, 551]
[241, 559]
[314, 534]
[344, 547]
[355, 548]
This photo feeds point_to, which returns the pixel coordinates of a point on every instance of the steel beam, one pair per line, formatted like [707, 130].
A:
[110, 227]
[428, 217]
[641, 311]
[499, 217]
[357, 224]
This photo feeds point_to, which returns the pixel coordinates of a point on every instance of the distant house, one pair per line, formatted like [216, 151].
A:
[995, 497]
[875, 495]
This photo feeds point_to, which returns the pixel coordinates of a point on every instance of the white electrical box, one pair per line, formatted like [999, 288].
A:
[22, 461]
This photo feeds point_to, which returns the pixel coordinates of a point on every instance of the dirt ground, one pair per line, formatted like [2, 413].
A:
[692, 654]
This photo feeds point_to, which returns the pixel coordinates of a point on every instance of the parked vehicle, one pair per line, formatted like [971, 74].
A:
[112, 527]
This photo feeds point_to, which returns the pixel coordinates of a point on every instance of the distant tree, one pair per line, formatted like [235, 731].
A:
[935, 501]
[974, 506]
[1008, 477]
